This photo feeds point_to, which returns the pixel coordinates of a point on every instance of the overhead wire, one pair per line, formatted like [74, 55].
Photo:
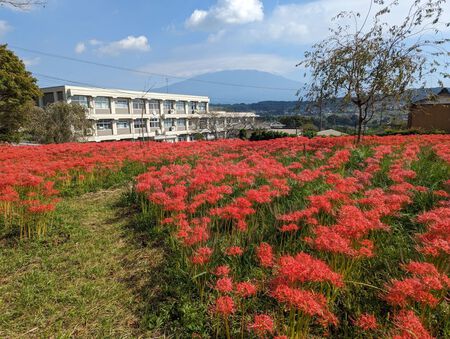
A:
[127, 69]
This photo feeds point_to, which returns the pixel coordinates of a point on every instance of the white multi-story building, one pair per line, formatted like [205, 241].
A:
[122, 114]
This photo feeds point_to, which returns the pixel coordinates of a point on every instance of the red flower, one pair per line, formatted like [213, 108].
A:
[264, 254]
[224, 305]
[234, 251]
[311, 303]
[245, 289]
[222, 271]
[305, 268]
[289, 228]
[201, 256]
[262, 324]
[224, 285]
[366, 322]
[409, 326]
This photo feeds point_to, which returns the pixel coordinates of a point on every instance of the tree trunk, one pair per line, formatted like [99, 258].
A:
[360, 121]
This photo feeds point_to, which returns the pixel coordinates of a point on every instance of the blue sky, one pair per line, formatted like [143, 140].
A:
[176, 37]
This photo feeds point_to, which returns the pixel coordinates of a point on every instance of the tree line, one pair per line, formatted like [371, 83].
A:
[21, 119]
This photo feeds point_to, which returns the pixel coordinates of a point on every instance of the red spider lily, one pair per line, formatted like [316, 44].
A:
[8, 194]
[408, 326]
[234, 251]
[436, 239]
[289, 228]
[306, 214]
[327, 239]
[38, 208]
[304, 268]
[201, 256]
[48, 189]
[310, 303]
[224, 285]
[237, 210]
[262, 325]
[222, 271]
[420, 288]
[441, 193]
[265, 255]
[245, 289]
[263, 194]
[366, 322]
[224, 305]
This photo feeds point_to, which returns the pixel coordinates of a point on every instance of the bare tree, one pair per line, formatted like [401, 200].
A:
[22, 4]
[228, 124]
[375, 66]
[57, 123]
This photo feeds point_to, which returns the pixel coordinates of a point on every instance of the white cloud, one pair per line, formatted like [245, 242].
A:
[309, 22]
[227, 12]
[95, 42]
[31, 61]
[80, 47]
[130, 43]
[4, 27]
[195, 66]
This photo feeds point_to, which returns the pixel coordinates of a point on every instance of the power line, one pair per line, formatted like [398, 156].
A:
[75, 82]
[126, 69]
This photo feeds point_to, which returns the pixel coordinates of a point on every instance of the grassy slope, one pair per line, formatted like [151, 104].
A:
[89, 278]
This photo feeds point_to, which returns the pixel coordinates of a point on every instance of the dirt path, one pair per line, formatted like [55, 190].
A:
[89, 278]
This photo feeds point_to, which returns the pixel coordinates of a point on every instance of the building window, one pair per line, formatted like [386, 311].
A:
[202, 106]
[122, 103]
[139, 123]
[48, 98]
[153, 105]
[168, 105]
[203, 123]
[60, 96]
[154, 122]
[104, 125]
[193, 106]
[101, 102]
[168, 123]
[181, 122]
[138, 104]
[80, 100]
[123, 124]
[180, 106]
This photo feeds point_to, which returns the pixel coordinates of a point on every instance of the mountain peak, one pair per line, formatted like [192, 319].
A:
[237, 86]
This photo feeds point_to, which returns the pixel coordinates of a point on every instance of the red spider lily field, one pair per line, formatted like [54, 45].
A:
[287, 238]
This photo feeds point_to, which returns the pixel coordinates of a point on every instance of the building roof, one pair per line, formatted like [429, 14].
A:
[440, 98]
[118, 93]
[330, 133]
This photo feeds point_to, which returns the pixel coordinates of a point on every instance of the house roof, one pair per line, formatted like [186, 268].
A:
[440, 98]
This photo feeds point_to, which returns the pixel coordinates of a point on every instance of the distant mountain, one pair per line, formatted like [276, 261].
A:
[272, 108]
[262, 86]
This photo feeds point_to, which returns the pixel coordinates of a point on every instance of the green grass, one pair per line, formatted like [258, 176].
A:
[88, 278]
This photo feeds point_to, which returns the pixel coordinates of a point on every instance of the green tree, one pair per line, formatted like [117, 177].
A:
[57, 123]
[18, 91]
[373, 65]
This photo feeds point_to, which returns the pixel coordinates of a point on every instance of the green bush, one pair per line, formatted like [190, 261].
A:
[267, 135]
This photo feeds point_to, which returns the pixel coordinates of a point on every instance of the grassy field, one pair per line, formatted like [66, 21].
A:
[289, 238]
[88, 278]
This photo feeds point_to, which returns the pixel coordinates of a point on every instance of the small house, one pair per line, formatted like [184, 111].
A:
[431, 114]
